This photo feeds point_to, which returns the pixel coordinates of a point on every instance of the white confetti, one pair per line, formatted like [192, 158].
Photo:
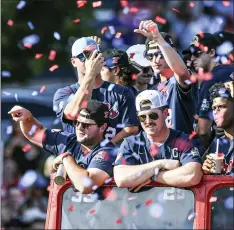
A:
[87, 181]
[31, 39]
[213, 199]
[6, 73]
[32, 130]
[225, 48]
[34, 93]
[56, 35]
[56, 121]
[107, 181]
[110, 87]
[192, 215]
[228, 203]
[104, 142]
[156, 210]
[156, 170]
[9, 130]
[21, 5]
[16, 97]
[94, 187]
[31, 26]
[6, 93]
[120, 126]
[126, 10]
[187, 82]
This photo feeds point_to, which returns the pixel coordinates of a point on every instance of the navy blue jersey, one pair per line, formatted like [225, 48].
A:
[220, 73]
[226, 147]
[119, 99]
[136, 150]
[57, 142]
[182, 104]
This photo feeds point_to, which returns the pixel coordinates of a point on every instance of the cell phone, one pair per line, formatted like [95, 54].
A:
[88, 53]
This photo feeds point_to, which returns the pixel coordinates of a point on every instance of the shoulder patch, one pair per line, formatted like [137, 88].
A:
[102, 155]
[195, 151]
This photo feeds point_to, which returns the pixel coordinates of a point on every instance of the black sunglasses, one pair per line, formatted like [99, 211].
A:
[149, 56]
[84, 125]
[152, 116]
[197, 54]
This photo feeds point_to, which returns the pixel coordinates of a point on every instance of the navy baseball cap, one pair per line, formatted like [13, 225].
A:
[200, 41]
[95, 112]
[117, 57]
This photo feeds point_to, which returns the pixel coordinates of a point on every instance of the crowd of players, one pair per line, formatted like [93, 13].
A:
[144, 114]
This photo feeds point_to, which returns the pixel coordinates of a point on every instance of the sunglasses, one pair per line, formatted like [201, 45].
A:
[83, 125]
[197, 54]
[150, 56]
[152, 116]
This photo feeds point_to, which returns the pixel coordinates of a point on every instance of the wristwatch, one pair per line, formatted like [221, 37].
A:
[65, 155]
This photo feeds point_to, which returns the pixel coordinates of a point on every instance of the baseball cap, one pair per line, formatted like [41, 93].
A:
[116, 57]
[136, 54]
[150, 44]
[84, 43]
[224, 36]
[95, 112]
[150, 99]
[200, 41]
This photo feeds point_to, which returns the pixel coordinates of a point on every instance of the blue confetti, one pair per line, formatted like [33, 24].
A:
[6, 73]
[31, 39]
[57, 35]
[21, 5]
[31, 26]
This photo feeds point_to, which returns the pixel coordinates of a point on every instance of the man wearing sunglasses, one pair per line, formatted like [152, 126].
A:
[173, 73]
[145, 73]
[69, 100]
[205, 50]
[156, 148]
[86, 158]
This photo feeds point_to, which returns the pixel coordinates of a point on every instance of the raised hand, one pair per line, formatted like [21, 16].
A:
[19, 113]
[94, 64]
[149, 29]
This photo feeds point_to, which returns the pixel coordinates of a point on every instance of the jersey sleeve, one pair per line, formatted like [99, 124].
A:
[103, 160]
[61, 98]
[55, 142]
[190, 155]
[128, 110]
[125, 154]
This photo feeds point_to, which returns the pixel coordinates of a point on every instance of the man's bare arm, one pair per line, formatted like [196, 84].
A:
[204, 131]
[185, 176]
[30, 127]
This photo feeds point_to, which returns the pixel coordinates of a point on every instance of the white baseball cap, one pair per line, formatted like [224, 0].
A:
[136, 54]
[150, 99]
[84, 43]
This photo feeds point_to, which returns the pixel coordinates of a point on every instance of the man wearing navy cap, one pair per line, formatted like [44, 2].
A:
[205, 58]
[156, 148]
[69, 100]
[86, 159]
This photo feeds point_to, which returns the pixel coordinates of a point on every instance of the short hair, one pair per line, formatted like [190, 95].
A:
[219, 90]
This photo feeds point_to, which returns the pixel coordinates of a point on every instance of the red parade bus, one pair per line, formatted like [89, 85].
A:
[208, 205]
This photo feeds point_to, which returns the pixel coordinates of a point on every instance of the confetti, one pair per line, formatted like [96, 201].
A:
[156, 171]
[148, 202]
[81, 3]
[10, 22]
[118, 34]
[16, 97]
[193, 78]
[124, 3]
[134, 76]
[104, 142]
[71, 208]
[191, 4]
[112, 29]
[94, 187]
[192, 215]
[228, 203]
[156, 210]
[133, 10]
[124, 210]
[109, 193]
[9, 130]
[213, 199]
[174, 9]
[192, 135]
[134, 213]
[21, 5]
[92, 211]
[38, 56]
[6, 93]
[187, 82]
[53, 68]
[31, 26]
[52, 55]
[56, 35]
[119, 221]
[132, 198]
[87, 181]
[34, 93]
[107, 181]
[126, 10]
[76, 20]
[32, 130]
[120, 126]
[31, 39]
[26, 148]
[6, 73]
[97, 4]
[226, 3]
[160, 20]
[27, 45]
[42, 89]
[56, 121]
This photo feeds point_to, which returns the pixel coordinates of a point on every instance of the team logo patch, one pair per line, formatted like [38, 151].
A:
[195, 151]
[115, 60]
[232, 76]
[132, 55]
[113, 111]
[205, 105]
[100, 156]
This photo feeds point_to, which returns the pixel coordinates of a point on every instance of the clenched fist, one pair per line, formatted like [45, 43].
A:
[19, 113]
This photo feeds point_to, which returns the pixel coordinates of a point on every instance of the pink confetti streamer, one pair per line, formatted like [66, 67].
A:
[10, 22]
[191, 4]
[133, 10]
[42, 89]
[53, 68]
[124, 3]
[38, 56]
[97, 4]
[52, 55]
[26, 148]
[160, 20]
[174, 9]
[76, 20]
[118, 34]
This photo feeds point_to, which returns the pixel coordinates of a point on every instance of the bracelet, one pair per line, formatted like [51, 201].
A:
[65, 155]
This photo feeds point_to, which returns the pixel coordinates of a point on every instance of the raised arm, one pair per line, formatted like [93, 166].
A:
[185, 176]
[173, 59]
[30, 127]
[84, 93]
